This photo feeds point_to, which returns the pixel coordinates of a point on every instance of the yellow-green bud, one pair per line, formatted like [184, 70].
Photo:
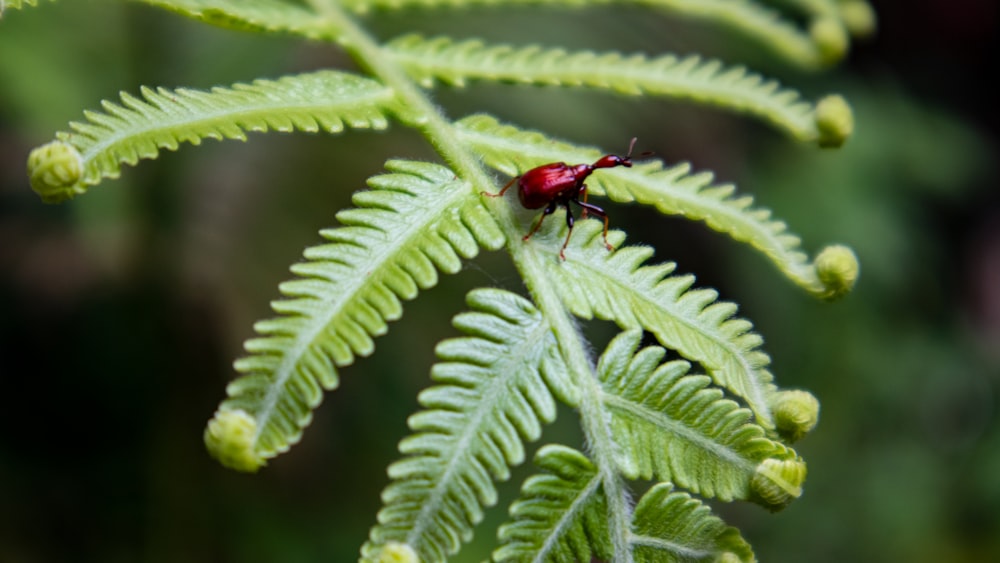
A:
[830, 38]
[776, 482]
[229, 438]
[834, 121]
[795, 413]
[55, 170]
[837, 268]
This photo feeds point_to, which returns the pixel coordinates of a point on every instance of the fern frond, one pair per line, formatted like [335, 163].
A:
[672, 191]
[254, 15]
[414, 222]
[163, 119]
[561, 515]
[704, 81]
[493, 392]
[671, 527]
[809, 50]
[672, 426]
[617, 286]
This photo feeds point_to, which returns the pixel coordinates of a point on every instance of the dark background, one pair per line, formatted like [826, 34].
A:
[121, 311]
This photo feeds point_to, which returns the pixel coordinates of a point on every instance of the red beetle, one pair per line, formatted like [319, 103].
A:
[558, 183]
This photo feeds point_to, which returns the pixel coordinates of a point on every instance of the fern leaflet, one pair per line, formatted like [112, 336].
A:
[662, 517]
[561, 516]
[494, 391]
[162, 118]
[253, 15]
[807, 49]
[705, 81]
[412, 223]
[673, 426]
[617, 286]
[672, 191]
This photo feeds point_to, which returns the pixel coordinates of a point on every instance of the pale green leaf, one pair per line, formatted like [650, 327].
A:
[493, 392]
[674, 191]
[674, 426]
[254, 15]
[672, 527]
[704, 81]
[140, 128]
[618, 286]
[561, 514]
[413, 223]
[765, 25]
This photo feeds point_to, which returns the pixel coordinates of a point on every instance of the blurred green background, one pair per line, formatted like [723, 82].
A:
[121, 311]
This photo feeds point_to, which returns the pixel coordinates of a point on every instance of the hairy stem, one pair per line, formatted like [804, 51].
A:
[592, 414]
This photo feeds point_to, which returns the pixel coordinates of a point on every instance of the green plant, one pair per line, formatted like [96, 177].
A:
[722, 434]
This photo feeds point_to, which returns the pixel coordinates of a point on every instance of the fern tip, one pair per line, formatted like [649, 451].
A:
[837, 268]
[229, 438]
[55, 170]
[830, 38]
[796, 413]
[834, 121]
[777, 482]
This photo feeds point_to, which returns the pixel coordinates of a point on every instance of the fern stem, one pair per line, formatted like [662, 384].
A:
[420, 112]
[595, 426]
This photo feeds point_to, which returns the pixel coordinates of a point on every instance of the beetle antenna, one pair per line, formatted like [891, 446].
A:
[631, 146]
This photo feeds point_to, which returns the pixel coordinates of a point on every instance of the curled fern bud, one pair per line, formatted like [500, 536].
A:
[55, 170]
[858, 17]
[837, 268]
[830, 38]
[795, 413]
[777, 482]
[229, 438]
[396, 552]
[834, 121]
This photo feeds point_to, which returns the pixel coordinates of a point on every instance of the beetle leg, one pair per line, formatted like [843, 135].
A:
[569, 223]
[504, 189]
[548, 211]
[582, 193]
[600, 213]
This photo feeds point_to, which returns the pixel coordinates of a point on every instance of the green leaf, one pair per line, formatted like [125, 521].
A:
[493, 392]
[414, 222]
[705, 81]
[163, 119]
[806, 48]
[672, 191]
[618, 286]
[673, 527]
[254, 15]
[672, 426]
[561, 515]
